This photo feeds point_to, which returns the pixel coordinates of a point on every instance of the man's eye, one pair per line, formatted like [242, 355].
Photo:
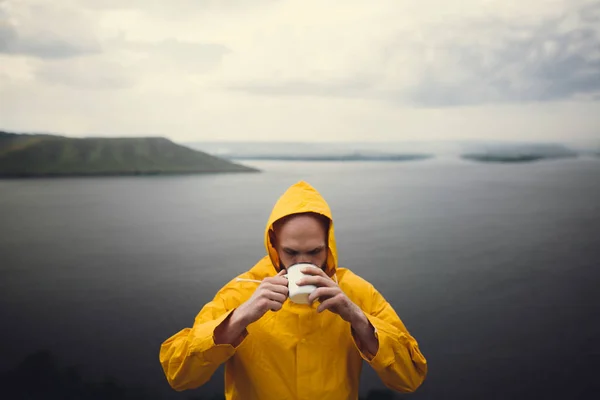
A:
[315, 252]
[291, 252]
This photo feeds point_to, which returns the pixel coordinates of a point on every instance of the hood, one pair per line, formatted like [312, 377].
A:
[300, 198]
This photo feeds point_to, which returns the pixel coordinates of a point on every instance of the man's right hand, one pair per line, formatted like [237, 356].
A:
[270, 295]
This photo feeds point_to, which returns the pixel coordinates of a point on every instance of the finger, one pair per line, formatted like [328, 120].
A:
[315, 280]
[283, 289]
[282, 272]
[275, 296]
[275, 305]
[314, 271]
[323, 293]
[279, 281]
[328, 304]
[279, 278]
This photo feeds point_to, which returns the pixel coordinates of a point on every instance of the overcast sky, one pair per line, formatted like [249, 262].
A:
[311, 70]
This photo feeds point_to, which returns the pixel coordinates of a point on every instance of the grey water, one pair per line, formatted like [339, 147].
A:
[493, 268]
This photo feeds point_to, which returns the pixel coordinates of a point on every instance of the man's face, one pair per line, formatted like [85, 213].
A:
[301, 239]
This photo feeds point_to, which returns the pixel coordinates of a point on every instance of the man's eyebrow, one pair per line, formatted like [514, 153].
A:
[313, 250]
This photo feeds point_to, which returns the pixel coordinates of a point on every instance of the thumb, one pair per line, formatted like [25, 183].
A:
[282, 272]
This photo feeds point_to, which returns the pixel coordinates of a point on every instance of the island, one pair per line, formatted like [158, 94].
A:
[518, 153]
[45, 155]
[498, 158]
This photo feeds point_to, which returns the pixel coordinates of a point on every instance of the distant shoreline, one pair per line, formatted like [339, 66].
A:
[505, 152]
[344, 157]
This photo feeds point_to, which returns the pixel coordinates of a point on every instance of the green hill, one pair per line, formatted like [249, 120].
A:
[23, 155]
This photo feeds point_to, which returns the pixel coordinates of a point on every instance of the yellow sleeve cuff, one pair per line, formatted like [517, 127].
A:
[203, 342]
[385, 336]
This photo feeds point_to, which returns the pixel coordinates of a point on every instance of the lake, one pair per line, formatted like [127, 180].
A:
[494, 268]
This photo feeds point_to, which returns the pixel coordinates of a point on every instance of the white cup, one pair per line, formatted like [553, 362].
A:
[298, 294]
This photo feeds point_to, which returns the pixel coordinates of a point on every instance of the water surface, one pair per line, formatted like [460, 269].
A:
[493, 268]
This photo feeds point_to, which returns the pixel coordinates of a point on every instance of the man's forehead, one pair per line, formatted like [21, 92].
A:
[301, 234]
[301, 222]
[313, 238]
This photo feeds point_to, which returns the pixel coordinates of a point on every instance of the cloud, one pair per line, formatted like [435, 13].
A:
[301, 69]
[590, 12]
[176, 55]
[66, 46]
[554, 60]
[87, 73]
[179, 6]
[42, 46]
[358, 87]
[39, 31]
[165, 64]
[478, 61]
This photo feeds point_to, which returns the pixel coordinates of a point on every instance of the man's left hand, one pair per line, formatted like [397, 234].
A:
[329, 294]
[332, 298]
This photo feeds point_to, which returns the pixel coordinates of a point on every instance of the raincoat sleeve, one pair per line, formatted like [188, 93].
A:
[398, 362]
[190, 357]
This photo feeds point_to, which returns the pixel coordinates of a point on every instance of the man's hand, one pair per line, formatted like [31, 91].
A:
[332, 298]
[329, 294]
[270, 295]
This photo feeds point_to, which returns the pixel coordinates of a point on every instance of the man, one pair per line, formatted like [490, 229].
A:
[275, 349]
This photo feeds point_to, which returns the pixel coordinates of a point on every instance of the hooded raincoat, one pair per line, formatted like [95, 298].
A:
[294, 353]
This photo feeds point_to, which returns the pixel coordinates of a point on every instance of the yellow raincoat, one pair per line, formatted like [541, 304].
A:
[294, 353]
